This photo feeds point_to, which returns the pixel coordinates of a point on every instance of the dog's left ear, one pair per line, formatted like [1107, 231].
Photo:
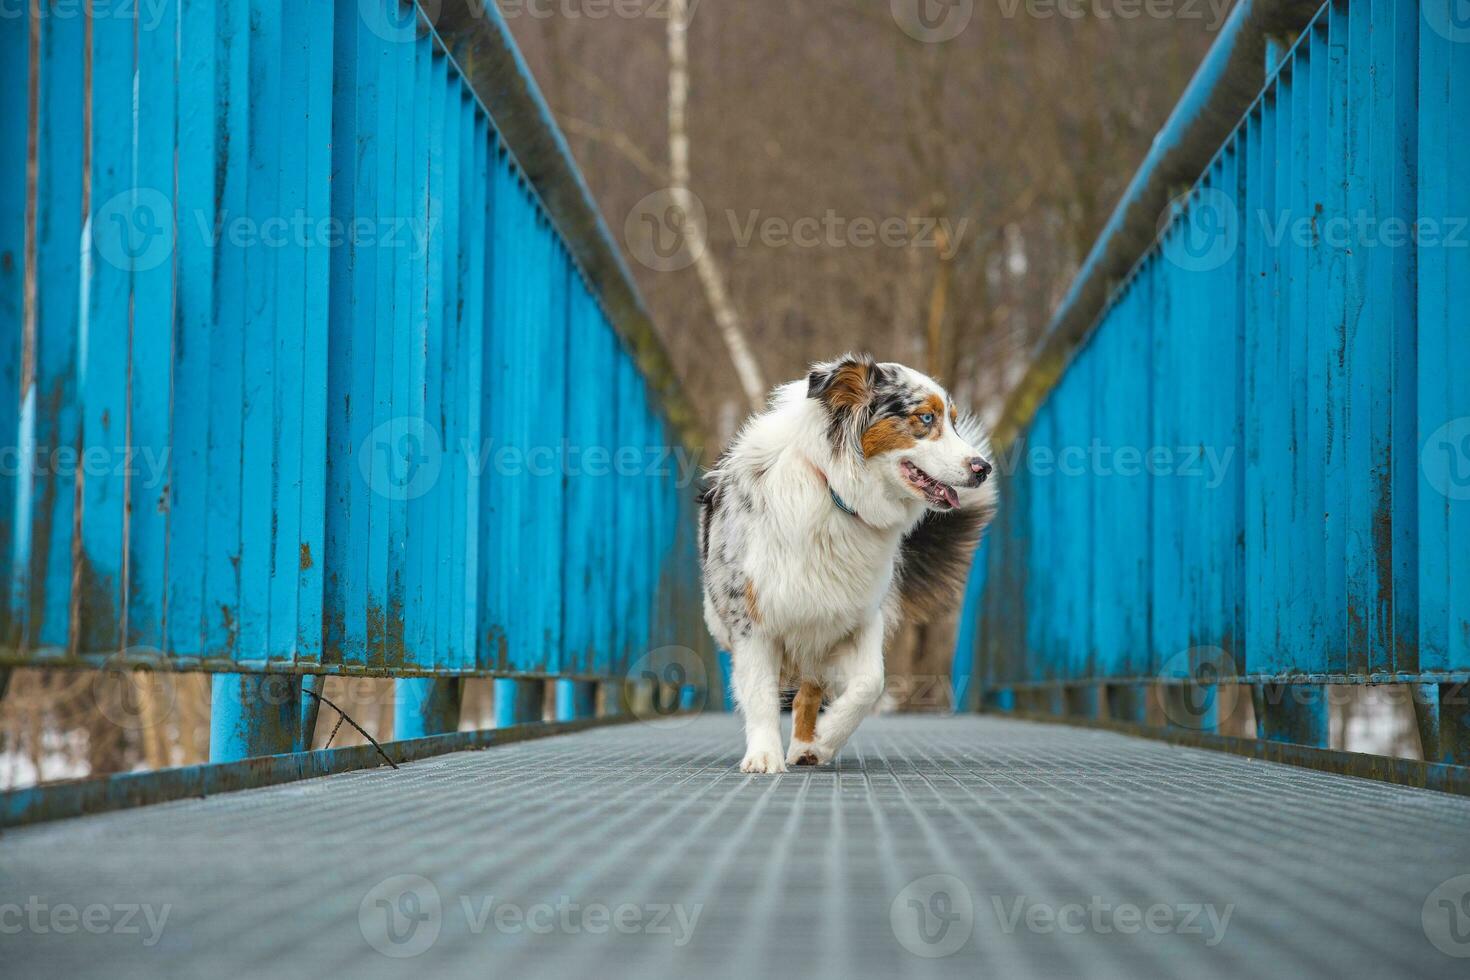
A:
[844, 385]
[847, 388]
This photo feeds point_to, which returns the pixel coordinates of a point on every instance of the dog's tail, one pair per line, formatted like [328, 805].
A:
[934, 558]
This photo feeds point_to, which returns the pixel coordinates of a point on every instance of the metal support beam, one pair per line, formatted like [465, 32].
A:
[1294, 713]
[1192, 707]
[612, 698]
[641, 696]
[692, 697]
[1443, 714]
[518, 701]
[998, 699]
[310, 708]
[254, 714]
[424, 706]
[1425, 698]
[1128, 702]
[576, 700]
[1084, 700]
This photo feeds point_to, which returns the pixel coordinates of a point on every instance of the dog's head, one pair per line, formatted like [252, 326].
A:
[903, 427]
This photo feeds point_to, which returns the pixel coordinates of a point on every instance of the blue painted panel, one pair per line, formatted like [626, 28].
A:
[49, 417]
[310, 273]
[122, 229]
[15, 68]
[1318, 352]
[1443, 436]
[150, 370]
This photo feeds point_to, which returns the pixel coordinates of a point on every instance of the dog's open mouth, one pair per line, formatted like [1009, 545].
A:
[937, 493]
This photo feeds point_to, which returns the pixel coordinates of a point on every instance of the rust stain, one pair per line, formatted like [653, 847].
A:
[396, 648]
[376, 634]
[232, 630]
[95, 596]
[305, 561]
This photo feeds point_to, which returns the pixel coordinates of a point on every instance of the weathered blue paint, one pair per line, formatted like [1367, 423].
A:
[336, 358]
[1289, 351]
[254, 714]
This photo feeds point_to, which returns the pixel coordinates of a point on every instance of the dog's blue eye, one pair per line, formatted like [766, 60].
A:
[927, 418]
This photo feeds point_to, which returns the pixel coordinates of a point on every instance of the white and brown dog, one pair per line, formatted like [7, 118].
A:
[853, 502]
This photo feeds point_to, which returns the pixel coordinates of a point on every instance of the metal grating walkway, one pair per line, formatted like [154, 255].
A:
[641, 851]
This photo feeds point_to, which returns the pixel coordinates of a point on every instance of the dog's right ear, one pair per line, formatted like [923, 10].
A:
[845, 385]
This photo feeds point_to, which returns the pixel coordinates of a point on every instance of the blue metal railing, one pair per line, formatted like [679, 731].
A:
[1255, 467]
[321, 363]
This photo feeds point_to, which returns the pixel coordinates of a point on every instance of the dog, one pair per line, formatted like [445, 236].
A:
[852, 503]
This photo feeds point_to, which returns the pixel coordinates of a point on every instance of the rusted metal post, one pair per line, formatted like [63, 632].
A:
[612, 698]
[1083, 700]
[1452, 702]
[1294, 713]
[1191, 706]
[425, 706]
[254, 714]
[1128, 702]
[575, 700]
[998, 699]
[310, 708]
[1425, 698]
[518, 701]
[692, 697]
[1258, 708]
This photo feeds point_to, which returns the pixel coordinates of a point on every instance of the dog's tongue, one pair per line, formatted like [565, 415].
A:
[950, 497]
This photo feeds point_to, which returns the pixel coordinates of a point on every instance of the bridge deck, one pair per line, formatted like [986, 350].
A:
[520, 859]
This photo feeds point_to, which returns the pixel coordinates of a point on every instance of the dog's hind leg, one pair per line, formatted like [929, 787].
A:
[755, 673]
[804, 709]
[855, 677]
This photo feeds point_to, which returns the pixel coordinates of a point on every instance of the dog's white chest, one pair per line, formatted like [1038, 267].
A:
[824, 584]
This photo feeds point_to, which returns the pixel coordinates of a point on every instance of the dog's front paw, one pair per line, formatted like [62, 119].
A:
[806, 754]
[760, 758]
